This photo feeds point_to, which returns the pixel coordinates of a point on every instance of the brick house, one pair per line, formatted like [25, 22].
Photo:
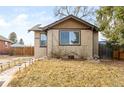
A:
[5, 45]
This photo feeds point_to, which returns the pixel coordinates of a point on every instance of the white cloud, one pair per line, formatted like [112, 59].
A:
[21, 17]
[43, 18]
[19, 25]
[20, 9]
[20, 20]
[3, 23]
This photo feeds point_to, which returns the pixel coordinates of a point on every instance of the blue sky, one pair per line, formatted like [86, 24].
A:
[20, 19]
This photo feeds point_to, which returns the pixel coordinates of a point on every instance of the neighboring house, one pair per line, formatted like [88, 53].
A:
[69, 37]
[5, 45]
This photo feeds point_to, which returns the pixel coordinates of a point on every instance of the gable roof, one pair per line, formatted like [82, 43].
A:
[5, 39]
[38, 28]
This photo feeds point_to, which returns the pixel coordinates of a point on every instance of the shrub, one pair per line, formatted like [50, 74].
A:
[11, 52]
[56, 53]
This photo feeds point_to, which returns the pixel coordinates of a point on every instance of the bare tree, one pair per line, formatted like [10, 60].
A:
[79, 11]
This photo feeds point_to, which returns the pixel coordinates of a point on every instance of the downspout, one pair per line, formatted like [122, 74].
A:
[93, 43]
[52, 44]
[47, 44]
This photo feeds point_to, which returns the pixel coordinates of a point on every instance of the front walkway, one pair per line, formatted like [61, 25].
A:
[6, 76]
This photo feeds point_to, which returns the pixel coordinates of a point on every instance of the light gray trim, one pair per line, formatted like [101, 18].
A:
[36, 28]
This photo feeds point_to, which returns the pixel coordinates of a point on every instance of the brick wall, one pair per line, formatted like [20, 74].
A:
[4, 47]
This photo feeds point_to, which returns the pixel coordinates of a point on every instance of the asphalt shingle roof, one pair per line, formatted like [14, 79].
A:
[38, 28]
[5, 39]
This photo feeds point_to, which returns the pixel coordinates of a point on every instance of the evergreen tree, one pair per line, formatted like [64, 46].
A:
[111, 23]
[21, 41]
[13, 37]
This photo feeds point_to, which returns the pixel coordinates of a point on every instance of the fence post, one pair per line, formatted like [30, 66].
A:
[8, 64]
[25, 64]
[1, 67]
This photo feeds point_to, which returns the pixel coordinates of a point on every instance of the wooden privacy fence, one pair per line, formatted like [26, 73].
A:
[118, 55]
[105, 52]
[111, 52]
[22, 51]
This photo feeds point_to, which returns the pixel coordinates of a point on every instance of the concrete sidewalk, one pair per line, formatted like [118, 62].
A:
[6, 76]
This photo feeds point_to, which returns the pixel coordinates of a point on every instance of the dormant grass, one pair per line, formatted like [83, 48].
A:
[59, 73]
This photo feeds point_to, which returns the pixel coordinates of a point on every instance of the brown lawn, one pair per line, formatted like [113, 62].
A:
[60, 73]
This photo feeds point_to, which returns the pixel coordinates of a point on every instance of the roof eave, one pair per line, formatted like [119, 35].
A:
[47, 27]
[35, 28]
[70, 16]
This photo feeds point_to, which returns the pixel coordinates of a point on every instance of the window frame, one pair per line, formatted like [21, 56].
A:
[6, 44]
[46, 40]
[69, 30]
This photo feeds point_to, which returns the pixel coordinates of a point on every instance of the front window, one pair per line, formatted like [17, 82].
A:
[43, 40]
[6, 44]
[69, 37]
